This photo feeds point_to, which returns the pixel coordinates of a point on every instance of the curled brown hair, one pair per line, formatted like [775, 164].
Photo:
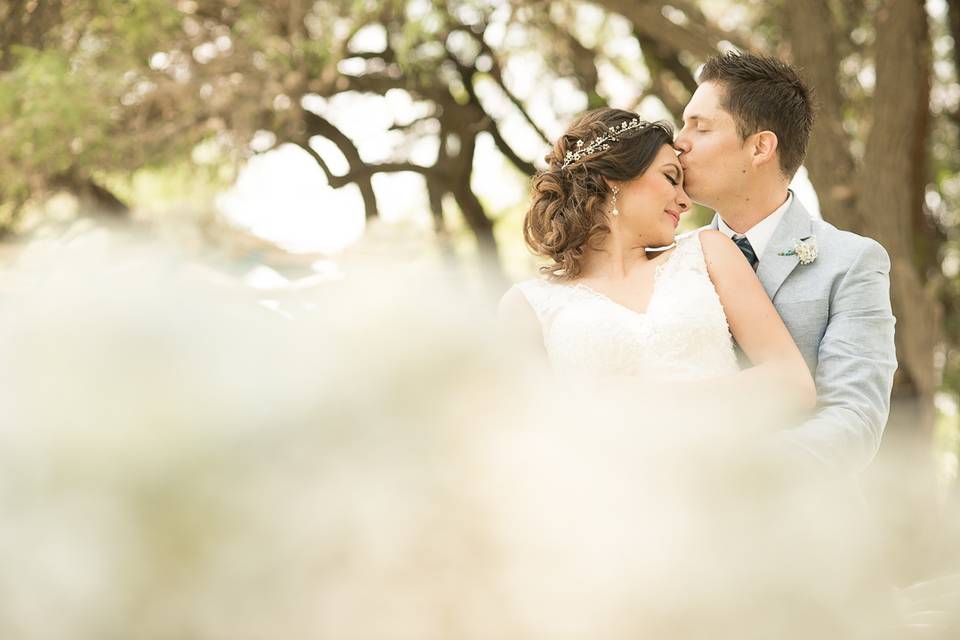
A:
[568, 209]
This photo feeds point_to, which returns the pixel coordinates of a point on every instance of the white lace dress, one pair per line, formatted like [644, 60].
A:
[683, 335]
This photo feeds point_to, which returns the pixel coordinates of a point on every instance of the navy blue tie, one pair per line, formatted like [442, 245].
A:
[747, 249]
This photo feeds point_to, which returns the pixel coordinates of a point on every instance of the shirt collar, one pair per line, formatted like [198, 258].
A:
[759, 234]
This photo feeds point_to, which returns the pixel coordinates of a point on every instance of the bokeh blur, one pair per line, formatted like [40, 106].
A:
[257, 245]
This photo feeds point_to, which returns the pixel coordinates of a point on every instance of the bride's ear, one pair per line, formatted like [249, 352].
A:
[763, 147]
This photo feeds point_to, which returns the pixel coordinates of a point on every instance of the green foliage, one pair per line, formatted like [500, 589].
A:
[194, 186]
[131, 31]
[55, 117]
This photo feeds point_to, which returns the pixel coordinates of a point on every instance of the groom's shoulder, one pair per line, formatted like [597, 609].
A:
[844, 243]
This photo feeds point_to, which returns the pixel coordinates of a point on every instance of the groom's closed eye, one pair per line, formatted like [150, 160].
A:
[698, 123]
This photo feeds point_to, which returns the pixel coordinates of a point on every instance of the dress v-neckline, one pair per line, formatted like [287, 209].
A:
[605, 298]
[653, 292]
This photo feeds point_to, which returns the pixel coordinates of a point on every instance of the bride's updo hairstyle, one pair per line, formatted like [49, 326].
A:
[568, 210]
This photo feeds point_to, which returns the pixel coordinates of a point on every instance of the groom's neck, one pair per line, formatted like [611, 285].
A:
[745, 210]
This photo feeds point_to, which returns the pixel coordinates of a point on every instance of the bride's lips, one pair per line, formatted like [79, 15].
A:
[675, 215]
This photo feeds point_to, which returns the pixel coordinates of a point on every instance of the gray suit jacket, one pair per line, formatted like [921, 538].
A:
[837, 309]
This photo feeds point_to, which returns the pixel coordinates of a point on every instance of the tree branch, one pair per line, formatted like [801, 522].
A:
[699, 36]
[319, 126]
[407, 126]
[666, 58]
[487, 123]
[662, 60]
[569, 57]
[526, 167]
[496, 73]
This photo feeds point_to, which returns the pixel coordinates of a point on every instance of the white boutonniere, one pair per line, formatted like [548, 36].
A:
[805, 249]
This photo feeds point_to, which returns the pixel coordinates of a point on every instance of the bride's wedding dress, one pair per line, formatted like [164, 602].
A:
[682, 335]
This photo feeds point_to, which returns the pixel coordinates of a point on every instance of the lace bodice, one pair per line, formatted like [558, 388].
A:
[683, 334]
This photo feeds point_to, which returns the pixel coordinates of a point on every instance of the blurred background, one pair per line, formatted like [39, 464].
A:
[274, 140]
[282, 382]
[286, 144]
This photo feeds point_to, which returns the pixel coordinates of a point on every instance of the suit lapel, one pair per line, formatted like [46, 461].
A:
[774, 268]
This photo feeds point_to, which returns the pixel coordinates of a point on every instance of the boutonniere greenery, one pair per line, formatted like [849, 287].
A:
[805, 249]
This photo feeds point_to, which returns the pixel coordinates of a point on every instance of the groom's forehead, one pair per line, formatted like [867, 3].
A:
[709, 114]
[705, 103]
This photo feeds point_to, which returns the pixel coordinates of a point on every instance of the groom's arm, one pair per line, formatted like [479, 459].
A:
[854, 376]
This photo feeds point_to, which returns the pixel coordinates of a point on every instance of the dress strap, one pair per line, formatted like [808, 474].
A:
[688, 255]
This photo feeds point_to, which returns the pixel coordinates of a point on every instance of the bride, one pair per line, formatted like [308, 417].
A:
[613, 303]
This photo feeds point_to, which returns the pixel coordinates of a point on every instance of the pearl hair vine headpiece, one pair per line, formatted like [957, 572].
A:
[601, 142]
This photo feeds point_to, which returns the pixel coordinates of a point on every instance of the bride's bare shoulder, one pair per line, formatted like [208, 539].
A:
[513, 302]
[718, 249]
[515, 311]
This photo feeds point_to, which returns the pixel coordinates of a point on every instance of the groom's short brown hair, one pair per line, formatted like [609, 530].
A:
[765, 94]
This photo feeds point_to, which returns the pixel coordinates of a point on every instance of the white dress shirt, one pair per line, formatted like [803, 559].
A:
[759, 234]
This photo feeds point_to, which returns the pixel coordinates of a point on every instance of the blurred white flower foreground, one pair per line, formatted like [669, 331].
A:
[179, 462]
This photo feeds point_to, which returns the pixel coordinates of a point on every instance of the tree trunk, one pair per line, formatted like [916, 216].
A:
[829, 159]
[461, 147]
[435, 192]
[882, 197]
[93, 198]
[893, 179]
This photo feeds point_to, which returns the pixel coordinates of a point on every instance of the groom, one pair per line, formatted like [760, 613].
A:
[745, 133]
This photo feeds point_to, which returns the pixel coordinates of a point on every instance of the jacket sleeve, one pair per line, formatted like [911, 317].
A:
[854, 376]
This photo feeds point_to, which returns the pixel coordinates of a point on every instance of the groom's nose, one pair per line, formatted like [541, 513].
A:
[682, 144]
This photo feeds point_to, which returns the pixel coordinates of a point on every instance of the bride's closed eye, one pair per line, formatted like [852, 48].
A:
[672, 180]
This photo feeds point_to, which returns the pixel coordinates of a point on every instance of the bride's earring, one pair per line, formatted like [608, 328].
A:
[613, 203]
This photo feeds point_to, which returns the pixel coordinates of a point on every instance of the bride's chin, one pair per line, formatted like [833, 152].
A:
[656, 239]
[665, 241]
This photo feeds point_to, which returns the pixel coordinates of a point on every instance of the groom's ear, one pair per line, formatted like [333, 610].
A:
[763, 147]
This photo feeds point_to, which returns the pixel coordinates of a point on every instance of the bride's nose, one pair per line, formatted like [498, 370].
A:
[683, 200]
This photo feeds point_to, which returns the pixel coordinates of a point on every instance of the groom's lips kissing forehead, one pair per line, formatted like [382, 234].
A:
[687, 170]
